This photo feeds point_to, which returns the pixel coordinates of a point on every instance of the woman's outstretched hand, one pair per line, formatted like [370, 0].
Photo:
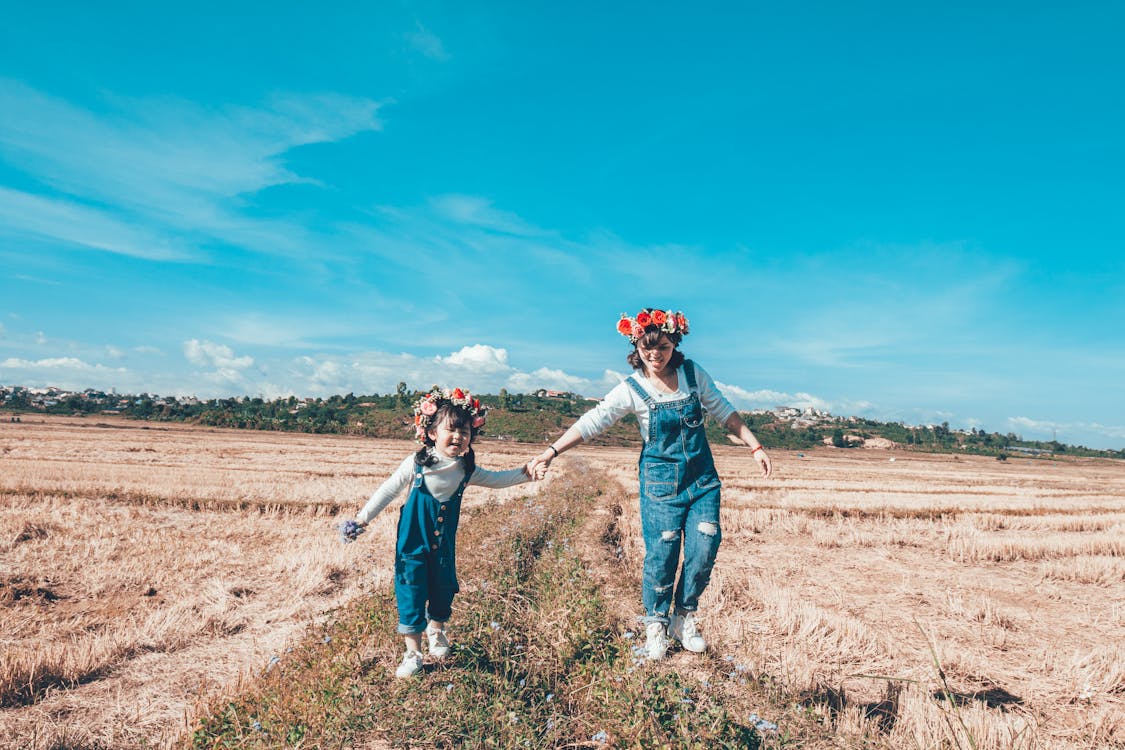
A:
[763, 460]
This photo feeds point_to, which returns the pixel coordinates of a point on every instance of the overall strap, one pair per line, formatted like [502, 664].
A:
[632, 381]
[689, 373]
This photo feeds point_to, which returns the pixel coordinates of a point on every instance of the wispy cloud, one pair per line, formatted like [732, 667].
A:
[83, 226]
[157, 177]
[426, 42]
[56, 364]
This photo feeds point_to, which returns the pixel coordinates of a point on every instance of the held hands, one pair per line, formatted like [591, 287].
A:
[540, 464]
[350, 530]
[535, 470]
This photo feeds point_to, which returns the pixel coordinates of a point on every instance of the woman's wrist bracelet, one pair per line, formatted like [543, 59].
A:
[755, 450]
[556, 450]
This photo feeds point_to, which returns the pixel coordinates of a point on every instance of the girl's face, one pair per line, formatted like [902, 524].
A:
[656, 357]
[450, 442]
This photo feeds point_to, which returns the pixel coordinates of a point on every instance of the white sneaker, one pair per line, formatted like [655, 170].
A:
[411, 665]
[439, 643]
[656, 643]
[687, 632]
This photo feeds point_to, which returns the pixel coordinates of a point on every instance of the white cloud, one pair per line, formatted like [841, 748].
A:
[40, 338]
[1067, 432]
[220, 356]
[3, 330]
[480, 368]
[113, 352]
[766, 399]
[479, 358]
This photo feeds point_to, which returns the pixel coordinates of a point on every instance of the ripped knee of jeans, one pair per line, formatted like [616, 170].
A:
[669, 536]
[708, 528]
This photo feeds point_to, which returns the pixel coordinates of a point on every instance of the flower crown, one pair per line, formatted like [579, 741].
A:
[428, 404]
[665, 320]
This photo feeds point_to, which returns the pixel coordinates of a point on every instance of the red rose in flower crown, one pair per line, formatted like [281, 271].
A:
[648, 318]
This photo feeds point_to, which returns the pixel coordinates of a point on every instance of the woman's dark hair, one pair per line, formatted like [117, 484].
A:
[456, 417]
[651, 339]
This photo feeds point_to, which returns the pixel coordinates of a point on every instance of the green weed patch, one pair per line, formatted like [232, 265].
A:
[536, 662]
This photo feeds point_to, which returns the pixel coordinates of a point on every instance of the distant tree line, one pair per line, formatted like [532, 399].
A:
[519, 417]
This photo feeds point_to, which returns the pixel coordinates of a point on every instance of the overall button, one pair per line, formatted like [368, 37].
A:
[437, 532]
[443, 507]
[433, 546]
[440, 519]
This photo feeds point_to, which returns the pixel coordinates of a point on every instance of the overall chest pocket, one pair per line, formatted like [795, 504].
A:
[659, 480]
[692, 416]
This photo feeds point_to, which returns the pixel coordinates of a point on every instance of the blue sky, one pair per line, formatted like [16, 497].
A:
[910, 212]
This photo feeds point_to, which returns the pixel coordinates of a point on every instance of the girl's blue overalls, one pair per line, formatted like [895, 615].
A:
[426, 556]
[679, 501]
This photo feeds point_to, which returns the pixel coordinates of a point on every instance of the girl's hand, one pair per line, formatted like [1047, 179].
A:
[350, 530]
[763, 460]
[536, 469]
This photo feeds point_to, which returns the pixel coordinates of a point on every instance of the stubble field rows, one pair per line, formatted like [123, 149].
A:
[850, 567]
[145, 569]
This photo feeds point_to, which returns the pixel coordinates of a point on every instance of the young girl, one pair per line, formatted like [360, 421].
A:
[678, 485]
[445, 423]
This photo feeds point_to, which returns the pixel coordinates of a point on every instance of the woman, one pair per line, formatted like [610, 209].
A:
[679, 488]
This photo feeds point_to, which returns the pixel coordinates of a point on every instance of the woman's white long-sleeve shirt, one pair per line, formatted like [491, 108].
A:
[624, 400]
[442, 480]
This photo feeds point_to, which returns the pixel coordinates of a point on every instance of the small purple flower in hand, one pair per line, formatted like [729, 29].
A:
[350, 531]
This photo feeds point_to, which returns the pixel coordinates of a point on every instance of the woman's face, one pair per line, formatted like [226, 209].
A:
[656, 357]
[450, 442]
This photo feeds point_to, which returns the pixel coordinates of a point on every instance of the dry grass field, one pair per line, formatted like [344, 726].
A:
[145, 569]
[850, 567]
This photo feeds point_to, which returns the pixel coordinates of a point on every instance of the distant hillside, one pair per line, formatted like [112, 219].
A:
[532, 418]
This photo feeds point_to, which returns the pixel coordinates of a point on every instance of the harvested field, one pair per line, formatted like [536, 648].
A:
[146, 569]
[848, 568]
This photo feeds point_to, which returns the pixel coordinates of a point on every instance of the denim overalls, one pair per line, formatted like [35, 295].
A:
[426, 556]
[679, 500]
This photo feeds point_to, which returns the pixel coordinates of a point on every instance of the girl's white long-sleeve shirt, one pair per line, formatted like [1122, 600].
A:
[624, 400]
[442, 480]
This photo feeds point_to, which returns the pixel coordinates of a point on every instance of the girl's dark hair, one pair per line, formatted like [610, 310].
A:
[456, 417]
[651, 339]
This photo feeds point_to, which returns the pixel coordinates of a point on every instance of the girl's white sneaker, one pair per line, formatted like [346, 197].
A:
[411, 665]
[687, 632]
[439, 643]
[656, 642]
